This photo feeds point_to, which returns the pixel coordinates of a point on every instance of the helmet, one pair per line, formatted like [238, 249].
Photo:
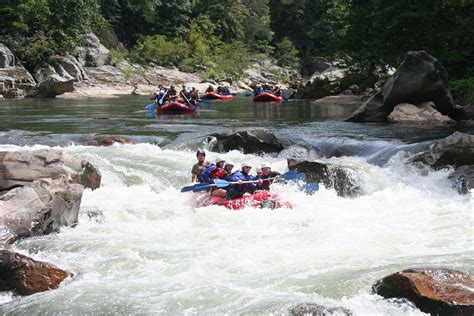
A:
[246, 164]
[229, 162]
[258, 170]
[264, 165]
[161, 92]
[157, 92]
[172, 87]
[200, 152]
[219, 159]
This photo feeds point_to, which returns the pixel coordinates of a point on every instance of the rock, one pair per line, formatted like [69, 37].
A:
[455, 150]
[16, 77]
[329, 82]
[19, 168]
[52, 86]
[424, 114]
[39, 208]
[318, 310]
[7, 59]
[301, 152]
[463, 179]
[108, 141]
[14, 93]
[252, 140]
[465, 113]
[342, 180]
[26, 276]
[93, 53]
[339, 100]
[420, 78]
[68, 67]
[43, 72]
[434, 291]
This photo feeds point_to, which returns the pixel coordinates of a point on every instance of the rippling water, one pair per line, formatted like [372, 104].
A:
[142, 247]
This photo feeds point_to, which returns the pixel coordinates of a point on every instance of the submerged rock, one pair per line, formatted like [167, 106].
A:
[26, 276]
[108, 140]
[318, 310]
[434, 291]
[250, 141]
[39, 208]
[455, 150]
[342, 180]
[420, 78]
[463, 179]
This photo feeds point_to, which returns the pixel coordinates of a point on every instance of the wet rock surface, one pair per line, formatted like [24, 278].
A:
[463, 179]
[249, 141]
[455, 150]
[424, 114]
[338, 178]
[318, 310]
[420, 78]
[108, 141]
[26, 276]
[434, 291]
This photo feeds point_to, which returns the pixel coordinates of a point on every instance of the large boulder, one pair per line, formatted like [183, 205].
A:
[463, 179]
[340, 179]
[39, 208]
[331, 81]
[422, 114]
[318, 310]
[420, 78]
[68, 67]
[455, 150]
[92, 53]
[52, 86]
[19, 168]
[7, 59]
[434, 291]
[25, 276]
[252, 140]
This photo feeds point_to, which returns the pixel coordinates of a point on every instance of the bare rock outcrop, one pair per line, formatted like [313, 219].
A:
[92, 53]
[434, 291]
[422, 114]
[25, 276]
[7, 59]
[108, 140]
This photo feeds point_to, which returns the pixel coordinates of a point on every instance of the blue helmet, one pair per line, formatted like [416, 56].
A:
[200, 152]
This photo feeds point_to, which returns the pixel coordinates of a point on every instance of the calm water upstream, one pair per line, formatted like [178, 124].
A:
[141, 247]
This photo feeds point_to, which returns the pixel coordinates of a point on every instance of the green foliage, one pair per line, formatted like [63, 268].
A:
[463, 90]
[286, 53]
[117, 57]
[159, 50]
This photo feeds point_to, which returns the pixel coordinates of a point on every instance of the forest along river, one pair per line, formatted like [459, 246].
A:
[142, 247]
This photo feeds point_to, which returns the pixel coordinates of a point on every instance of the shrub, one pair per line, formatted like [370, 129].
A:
[463, 90]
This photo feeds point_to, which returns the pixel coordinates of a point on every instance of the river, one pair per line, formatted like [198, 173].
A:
[141, 247]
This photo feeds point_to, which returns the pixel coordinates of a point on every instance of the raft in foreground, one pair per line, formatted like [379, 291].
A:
[176, 107]
[261, 199]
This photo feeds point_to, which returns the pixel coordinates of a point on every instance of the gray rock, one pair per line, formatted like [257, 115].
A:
[71, 66]
[341, 179]
[251, 140]
[318, 310]
[455, 150]
[19, 168]
[39, 208]
[463, 179]
[422, 114]
[93, 53]
[7, 59]
[329, 82]
[43, 72]
[26, 276]
[433, 291]
[420, 78]
[51, 87]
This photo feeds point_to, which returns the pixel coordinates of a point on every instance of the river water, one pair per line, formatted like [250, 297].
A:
[141, 247]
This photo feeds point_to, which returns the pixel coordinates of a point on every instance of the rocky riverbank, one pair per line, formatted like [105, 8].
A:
[90, 72]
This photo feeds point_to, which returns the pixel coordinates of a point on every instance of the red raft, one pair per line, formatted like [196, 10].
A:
[215, 96]
[260, 199]
[267, 97]
[176, 107]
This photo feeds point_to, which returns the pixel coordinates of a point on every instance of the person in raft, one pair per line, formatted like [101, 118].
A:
[258, 90]
[215, 171]
[200, 166]
[172, 94]
[194, 94]
[277, 91]
[210, 89]
[267, 173]
[236, 191]
[229, 165]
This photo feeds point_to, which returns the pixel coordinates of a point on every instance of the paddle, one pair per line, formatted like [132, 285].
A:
[150, 107]
[163, 98]
[192, 106]
[288, 176]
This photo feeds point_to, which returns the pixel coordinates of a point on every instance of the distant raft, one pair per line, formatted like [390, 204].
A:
[267, 97]
[177, 107]
[215, 96]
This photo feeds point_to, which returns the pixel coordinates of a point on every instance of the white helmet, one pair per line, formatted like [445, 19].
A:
[258, 170]
[246, 164]
[219, 159]
[229, 162]
[264, 165]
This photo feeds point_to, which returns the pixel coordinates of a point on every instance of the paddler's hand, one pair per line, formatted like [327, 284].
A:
[260, 181]
[239, 182]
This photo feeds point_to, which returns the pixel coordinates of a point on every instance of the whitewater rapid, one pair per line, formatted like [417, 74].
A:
[142, 247]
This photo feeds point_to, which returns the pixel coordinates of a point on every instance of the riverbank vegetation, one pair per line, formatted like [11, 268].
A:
[222, 37]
